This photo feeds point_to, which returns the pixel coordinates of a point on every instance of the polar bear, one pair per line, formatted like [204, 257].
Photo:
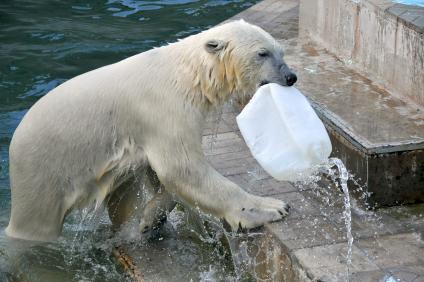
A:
[88, 139]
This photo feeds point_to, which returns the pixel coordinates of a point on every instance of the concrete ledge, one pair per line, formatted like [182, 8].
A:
[411, 16]
[382, 39]
[392, 178]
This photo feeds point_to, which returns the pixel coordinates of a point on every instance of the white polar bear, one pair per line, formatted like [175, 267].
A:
[89, 138]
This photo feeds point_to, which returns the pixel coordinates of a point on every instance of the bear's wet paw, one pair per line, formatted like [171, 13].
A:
[256, 212]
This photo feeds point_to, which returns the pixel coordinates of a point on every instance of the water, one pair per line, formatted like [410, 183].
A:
[343, 176]
[411, 2]
[42, 44]
[419, 3]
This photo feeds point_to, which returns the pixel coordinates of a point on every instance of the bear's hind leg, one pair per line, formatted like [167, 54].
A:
[131, 196]
[144, 194]
[156, 210]
[38, 220]
[124, 201]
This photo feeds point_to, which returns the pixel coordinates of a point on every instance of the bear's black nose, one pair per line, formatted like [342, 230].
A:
[291, 79]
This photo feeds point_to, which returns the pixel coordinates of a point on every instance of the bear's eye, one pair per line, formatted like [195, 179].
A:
[263, 53]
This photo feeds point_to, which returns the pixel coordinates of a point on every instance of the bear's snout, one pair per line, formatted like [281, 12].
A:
[288, 77]
[291, 79]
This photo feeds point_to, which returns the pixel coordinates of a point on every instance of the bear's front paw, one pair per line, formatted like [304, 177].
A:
[255, 212]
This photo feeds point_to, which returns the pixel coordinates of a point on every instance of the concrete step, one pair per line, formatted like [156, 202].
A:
[378, 136]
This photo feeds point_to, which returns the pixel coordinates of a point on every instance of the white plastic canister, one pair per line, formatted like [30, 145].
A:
[283, 132]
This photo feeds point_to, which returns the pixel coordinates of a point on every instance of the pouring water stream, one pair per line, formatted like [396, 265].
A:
[336, 170]
[343, 176]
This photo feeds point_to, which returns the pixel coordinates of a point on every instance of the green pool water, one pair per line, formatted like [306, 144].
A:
[42, 44]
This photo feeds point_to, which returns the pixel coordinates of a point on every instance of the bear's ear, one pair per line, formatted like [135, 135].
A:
[214, 46]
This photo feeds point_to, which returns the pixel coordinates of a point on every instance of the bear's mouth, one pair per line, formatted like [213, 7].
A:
[263, 82]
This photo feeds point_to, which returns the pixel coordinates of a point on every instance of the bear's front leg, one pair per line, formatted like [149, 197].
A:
[187, 174]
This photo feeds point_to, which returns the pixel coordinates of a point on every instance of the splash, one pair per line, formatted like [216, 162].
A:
[86, 222]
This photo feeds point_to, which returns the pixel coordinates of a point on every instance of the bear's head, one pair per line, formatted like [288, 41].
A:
[238, 58]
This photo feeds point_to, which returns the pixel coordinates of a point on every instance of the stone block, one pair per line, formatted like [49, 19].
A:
[300, 207]
[394, 250]
[262, 187]
[304, 232]
[328, 262]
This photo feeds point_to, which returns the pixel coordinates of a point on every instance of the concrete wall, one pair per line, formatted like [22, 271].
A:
[385, 47]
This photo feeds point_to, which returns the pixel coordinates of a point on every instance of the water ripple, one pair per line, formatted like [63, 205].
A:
[42, 86]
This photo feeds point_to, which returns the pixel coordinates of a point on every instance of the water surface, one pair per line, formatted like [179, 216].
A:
[411, 2]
